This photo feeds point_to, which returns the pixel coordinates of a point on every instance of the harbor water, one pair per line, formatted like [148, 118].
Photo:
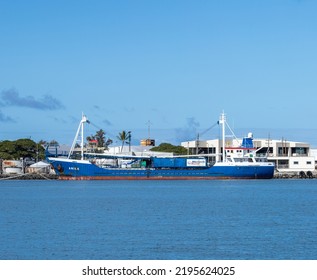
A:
[153, 220]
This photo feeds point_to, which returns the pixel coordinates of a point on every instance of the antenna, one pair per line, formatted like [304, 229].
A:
[197, 144]
[222, 121]
[149, 128]
[268, 145]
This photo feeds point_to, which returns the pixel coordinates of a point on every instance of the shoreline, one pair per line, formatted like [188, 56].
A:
[28, 176]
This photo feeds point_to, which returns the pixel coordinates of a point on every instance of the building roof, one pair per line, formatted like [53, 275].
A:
[40, 164]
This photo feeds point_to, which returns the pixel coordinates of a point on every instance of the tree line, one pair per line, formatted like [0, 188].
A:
[22, 148]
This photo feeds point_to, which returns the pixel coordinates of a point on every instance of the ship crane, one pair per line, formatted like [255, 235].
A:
[80, 132]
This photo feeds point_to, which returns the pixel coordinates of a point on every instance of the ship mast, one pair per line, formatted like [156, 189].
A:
[80, 131]
[222, 121]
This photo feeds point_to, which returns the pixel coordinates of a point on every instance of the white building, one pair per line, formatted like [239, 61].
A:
[288, 156]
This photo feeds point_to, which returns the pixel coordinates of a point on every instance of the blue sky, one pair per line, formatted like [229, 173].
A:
[177, 64]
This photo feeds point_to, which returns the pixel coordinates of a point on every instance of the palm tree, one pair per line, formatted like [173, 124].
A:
[123, 137]
[100, 137]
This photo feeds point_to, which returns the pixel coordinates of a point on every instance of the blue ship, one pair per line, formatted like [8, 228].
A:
[240, 163]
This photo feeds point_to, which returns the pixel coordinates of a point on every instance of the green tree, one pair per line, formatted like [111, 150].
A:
[169, 148]
[101, 139]
[7, 149]
[25, 148]
[21, 148]
[123, 137]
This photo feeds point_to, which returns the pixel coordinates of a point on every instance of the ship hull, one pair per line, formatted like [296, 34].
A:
[85, 170]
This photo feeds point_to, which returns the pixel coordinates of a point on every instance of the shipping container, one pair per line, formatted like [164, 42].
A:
[178, 162]
[163, 162]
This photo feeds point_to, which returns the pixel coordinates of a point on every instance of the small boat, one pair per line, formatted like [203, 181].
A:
[238, 162]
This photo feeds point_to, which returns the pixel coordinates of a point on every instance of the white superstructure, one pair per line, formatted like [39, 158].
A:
[287, 156]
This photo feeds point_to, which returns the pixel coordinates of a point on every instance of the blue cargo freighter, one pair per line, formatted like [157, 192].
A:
[242, 163]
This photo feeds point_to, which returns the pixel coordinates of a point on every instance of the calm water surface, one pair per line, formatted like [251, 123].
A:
[252, 219]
